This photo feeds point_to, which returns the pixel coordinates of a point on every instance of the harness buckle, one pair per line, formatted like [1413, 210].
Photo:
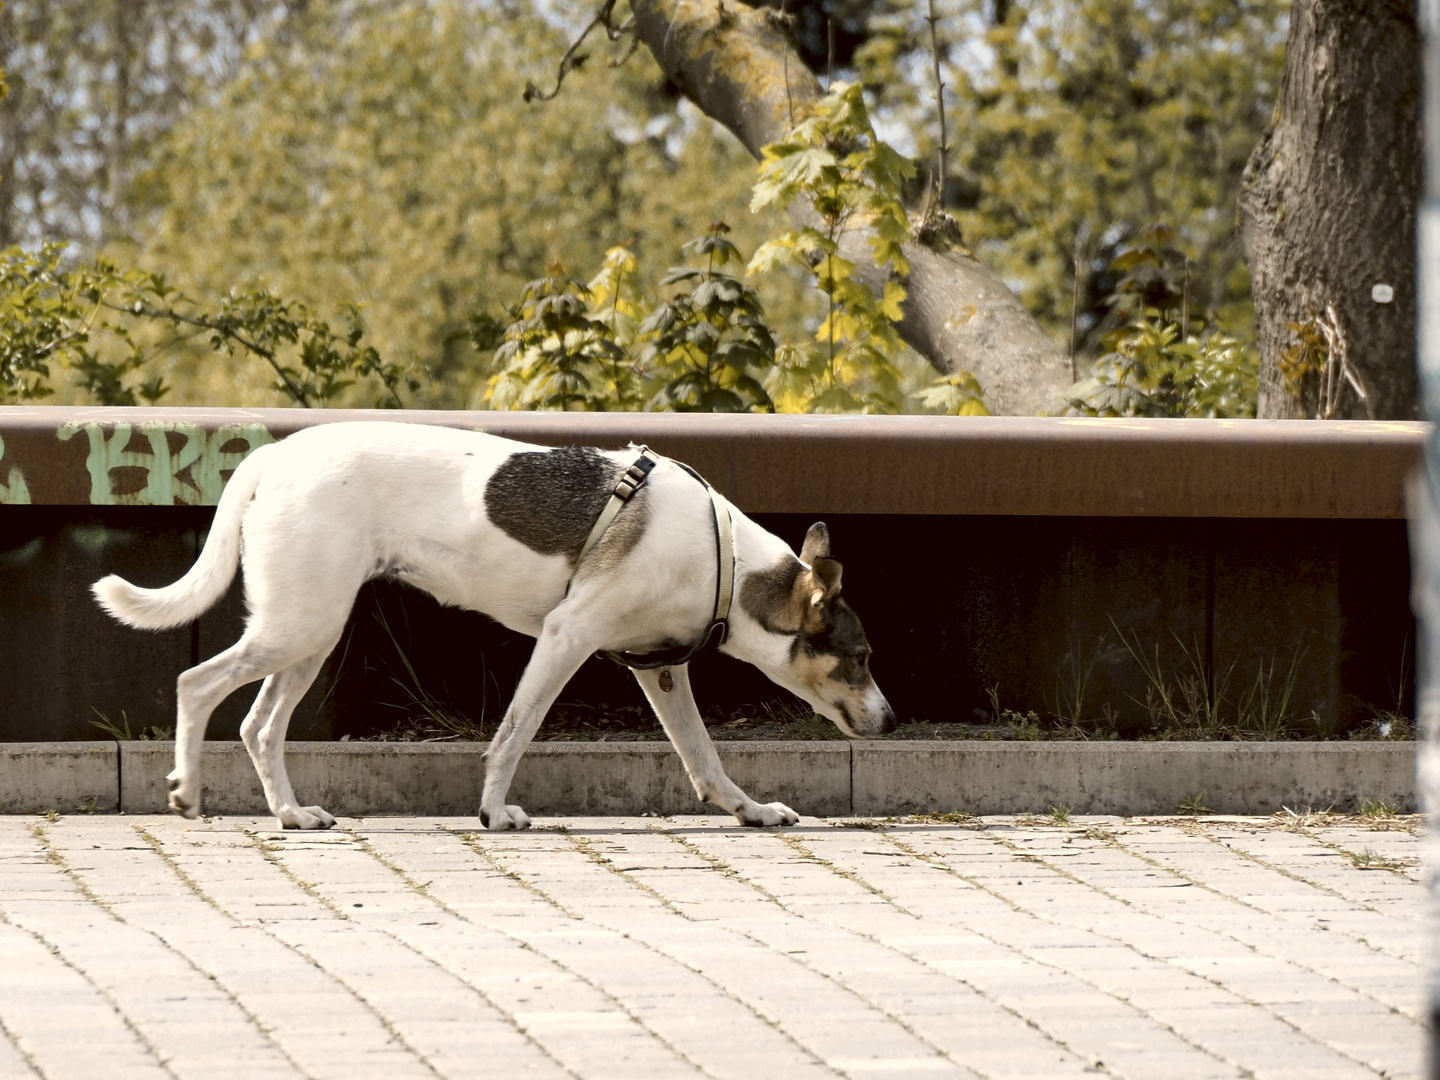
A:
[634, 477]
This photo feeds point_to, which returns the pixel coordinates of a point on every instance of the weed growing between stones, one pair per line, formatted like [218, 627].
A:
[1194, 806]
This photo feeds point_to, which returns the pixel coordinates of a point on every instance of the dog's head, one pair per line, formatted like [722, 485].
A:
[821, 653]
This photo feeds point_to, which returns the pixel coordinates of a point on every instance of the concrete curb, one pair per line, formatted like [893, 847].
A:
[36, 777]
[816, 778]
[1129, 779]
[357, 779]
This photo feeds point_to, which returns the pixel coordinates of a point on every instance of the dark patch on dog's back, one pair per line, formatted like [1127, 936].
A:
[549, 499]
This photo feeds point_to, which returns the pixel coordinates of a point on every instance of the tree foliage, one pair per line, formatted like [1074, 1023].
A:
[97, 85]
[708, 345]
[387, 157]
[604, 346]
[1076, 124]
[834, 164]
[104, 325]
[277, 160]
[556, 355]
[1163, 360]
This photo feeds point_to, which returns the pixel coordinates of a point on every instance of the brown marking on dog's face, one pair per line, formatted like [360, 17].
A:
[829, 653]
[768, 596]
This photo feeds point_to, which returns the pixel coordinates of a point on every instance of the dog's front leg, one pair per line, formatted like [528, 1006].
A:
[558, 655]
[681, 719]
[263, 733]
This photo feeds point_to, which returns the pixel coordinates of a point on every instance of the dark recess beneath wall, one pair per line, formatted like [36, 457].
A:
[953, 605]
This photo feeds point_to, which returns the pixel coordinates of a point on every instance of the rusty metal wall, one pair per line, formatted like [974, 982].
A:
[1046, 466]
[1009, 553]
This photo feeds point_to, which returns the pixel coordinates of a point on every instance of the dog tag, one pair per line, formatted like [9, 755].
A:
[667, 681]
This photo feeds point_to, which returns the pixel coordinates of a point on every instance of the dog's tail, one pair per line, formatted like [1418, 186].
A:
[206, 581]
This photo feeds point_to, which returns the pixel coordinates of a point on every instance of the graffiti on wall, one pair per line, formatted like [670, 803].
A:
[14, 488]
[162, 464]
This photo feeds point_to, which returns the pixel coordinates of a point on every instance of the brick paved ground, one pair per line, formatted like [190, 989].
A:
[629, 948]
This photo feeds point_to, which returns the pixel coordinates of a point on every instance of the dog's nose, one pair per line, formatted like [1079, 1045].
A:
[891, 722]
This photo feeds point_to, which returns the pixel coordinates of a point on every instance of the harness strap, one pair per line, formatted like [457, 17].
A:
[725, 541]
[630, 482]
[719, 627]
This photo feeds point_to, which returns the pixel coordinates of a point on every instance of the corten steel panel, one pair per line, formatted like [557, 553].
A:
[1277, 606]
[1377, 629]
[1045, 610]
[65, 660]
[1046, 466]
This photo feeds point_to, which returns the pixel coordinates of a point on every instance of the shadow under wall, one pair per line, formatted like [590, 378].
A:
[1042, 610]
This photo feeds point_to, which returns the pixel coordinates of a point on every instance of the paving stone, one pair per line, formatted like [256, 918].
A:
[631, 948]
[60, 1020]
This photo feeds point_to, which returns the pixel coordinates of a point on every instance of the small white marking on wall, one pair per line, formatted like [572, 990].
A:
[14, 490]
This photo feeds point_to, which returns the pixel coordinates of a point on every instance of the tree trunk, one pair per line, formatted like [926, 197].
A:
[1327, 214]
[737, 65]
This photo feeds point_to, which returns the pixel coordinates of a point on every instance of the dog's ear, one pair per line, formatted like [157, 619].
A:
[817, 544]
[826, 574]
[815, 590]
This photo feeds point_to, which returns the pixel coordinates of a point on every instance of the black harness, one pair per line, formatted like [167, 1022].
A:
[718, 630]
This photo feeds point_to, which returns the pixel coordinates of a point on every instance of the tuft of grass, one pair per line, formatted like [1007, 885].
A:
[1060, 814]
[1265, 708]
[952, 817]
[861, 823]
[121, 732]
[1072, 682]
[1187, 706]
[51, 816]
[1391, 724]
[1194, 806]
[1308, 818]
[1378, 808]
[436, 719]
[1370, 860]
[89, 806]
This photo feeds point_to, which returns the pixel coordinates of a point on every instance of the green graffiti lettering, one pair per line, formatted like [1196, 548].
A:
[189, 476]
[14, 490]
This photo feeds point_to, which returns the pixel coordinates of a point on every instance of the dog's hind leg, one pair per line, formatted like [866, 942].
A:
[558, 655]
[197, 692]
[264, 734]
[680, 718]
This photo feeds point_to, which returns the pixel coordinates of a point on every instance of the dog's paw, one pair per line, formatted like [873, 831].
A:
[763, 816]
[509, 817]
[305, 817]
[184, 797]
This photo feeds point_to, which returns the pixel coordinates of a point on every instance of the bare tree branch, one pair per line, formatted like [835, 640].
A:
[574, 59]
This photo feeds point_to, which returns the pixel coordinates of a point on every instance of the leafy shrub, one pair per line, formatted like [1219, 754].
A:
[104, 325]
[1160, 361]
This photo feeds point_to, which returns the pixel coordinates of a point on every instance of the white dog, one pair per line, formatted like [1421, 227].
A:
[514, 531]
